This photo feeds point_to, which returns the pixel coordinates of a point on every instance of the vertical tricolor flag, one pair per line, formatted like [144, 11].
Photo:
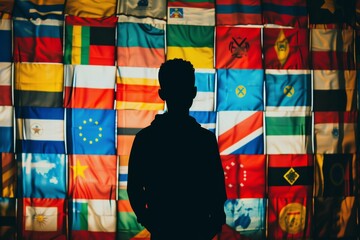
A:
[238, 47]
[205, 96]
[288, 90]
[335, 132]
[6, 129]
[92, 176]
[90, 9]
[240, 132]
[286, 48]
[38, 84]
[5, 84]
[40, 130]
[236, 12]
[207, 119]
[89, 86]
[38, 40]
[35, 9]
[240, 89]
[142, 8]
[90, 41]
[8, 218]
[8, 171]
[6, 40]
[140, 42]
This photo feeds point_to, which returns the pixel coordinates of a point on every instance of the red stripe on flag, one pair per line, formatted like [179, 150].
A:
[5, 96]
[243, 2]
[297, 160]
[89, 98]
[335, 117]
[102, 55]
[332, 60]
[191, 4]
[140, 57]
[93, 22]
[238, 18]
[287, 3]
[138, 93]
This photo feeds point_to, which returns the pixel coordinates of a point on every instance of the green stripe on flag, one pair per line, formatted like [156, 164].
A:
[68, 44]
[288, 125]
[85, 44]
[190, 36]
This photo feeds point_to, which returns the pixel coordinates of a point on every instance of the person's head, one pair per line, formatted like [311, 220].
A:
[177, 84]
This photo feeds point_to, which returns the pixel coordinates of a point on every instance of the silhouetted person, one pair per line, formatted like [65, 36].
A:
[175, 180]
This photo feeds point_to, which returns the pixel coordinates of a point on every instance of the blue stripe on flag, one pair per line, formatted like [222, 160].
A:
[39, 113]
[237, 8]
[23, 28]
[6, 139]
[205, 82]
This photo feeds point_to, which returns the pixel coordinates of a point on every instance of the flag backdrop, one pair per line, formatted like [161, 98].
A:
[277, 83]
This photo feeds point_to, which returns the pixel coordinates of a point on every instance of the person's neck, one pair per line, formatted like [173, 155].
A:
[178, 114]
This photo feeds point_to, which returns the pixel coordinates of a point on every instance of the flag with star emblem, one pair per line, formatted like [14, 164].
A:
[38, 40]
[90, 131]
[90, 9]
[334, 90]
[236, 12]
[207, 119]
[35, 9]
[42, 216]
[92, 177]
[205, 96]
[335, 132]
[288, 132]
[8, 170]
[140, 42]
[285, 13]
[89, 86]
[42, 175]
[137, 88]
[39, 130]
[286, 48]
[289, 218]
[38, 84]
[90, 41]
[6, 129]
[244, 175]
[334, 175]
[92, 219]
[6, 40]
[243, 47]
[240, 89]
[5, 84]
[332, 49]
[288, 90]
[142, 8]
[8, 218]
[290, 175]
[240, 132]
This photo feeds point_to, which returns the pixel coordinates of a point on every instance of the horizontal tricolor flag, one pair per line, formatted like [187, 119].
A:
[90, 9]
[142, 8]
[6, 129]
[90, 41]
[40, 130]
[335, 132]
[137, 88]
[6, 40]
[38, 40]
[5, 84]
[8, 181]
[43, 9]
[140, 43]
[240, 132]
[205, 96]
[38, 84]
[235, 12]
[207, 119]
[89, 86]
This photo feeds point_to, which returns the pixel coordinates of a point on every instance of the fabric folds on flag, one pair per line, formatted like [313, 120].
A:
[90, 41]
[142, 8]
[207, 119]
[205, 96]
[236, 12]
[240, 132]
[8, 182]
[5, 84]
[90, 9]
[6, 40]
[140, 43]
[6, 129]
[43, 9]
[8, 218]
[89, 86]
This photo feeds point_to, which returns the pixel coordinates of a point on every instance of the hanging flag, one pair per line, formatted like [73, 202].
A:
[35, 9]
[334, 175]
[285, 13]
[129, 123]
[332, 12]
[238, 12]
[205, 96]
[6, 129]
[288, 90]
[42, 216]
[286, 48]
[6, 40]
[8, 218]
[5, 84]
[92, 219]
[238, 47]
[244, 175]
[140, 42]
[90, 9]
[8, 170]
[332, 49]
[192, 43]
[290, 175]
[40, 130]
[335, 132]
[246, 216]
[43, 175]
[289, 218]
[334, 90]
[207, 119]
[38, 84]
[38, 40]
[6, 6]
[240, 89]
[90, 41]
[142, 8]
[90, 131]
[92, 177]
[137, 89]
[89, 86]
[123, 176]
[240, 132]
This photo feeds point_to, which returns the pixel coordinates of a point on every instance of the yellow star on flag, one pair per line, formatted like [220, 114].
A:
[329, 5]
[79, 169]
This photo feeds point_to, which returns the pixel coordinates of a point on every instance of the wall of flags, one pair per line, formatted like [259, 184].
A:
[277, 84]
